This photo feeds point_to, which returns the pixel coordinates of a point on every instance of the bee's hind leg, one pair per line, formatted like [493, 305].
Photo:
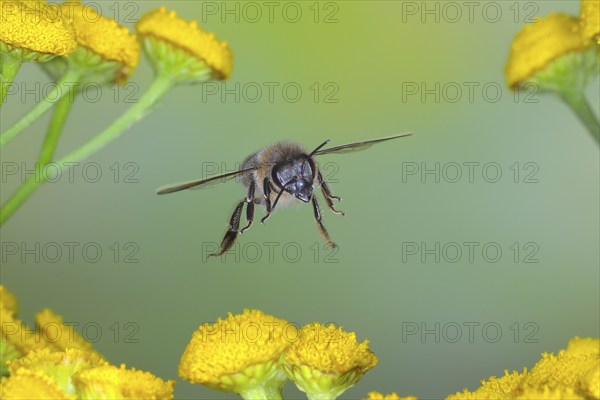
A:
[328, 196]
[232, 232]
[322, 229]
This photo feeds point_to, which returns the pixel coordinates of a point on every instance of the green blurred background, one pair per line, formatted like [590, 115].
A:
[364, 55]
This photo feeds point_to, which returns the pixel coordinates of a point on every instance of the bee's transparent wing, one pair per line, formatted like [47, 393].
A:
[202, 183]
[350, 147]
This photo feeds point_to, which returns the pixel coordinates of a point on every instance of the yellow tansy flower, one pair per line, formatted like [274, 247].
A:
[241, 354]
[327, 361]
[391, 396]
[57, 334]
[51, 333]
[110, 382]
[27, 385]
[560, 371]
[540, 43]
[34, 26]
[103, 36]
[493, 388]
[589, 17]
[589, 346]
[555, 56]
[572, 374]
[168, 27]
[60, 365]
[30, 31]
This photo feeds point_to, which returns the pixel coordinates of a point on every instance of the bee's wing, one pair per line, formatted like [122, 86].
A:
[350, 147]
[202, 183]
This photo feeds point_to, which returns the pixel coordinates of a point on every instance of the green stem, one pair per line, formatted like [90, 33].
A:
[64, 87]
[8, 70]
[580, 106]
[159, 87]
[61, 111]
[162, 83]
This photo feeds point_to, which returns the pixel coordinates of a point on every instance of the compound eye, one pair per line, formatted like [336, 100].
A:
[307, 172]
[283, 173]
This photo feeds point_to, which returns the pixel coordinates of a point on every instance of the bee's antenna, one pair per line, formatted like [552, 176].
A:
[319, 148]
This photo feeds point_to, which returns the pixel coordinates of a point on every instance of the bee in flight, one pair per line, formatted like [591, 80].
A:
[280, 173]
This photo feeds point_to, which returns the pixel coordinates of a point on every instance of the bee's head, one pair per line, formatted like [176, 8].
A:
[296, 177]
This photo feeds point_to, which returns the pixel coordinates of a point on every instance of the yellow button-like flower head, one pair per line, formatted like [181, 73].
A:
[179, 34]
[540, 43]
[492, 389]
[326, 361]
[60, 365]
[589, 17]
[572, 374]
[110, 382]
[51, 333]
[26, 384]
[560, 371]
[34, 31]
[115, 50]
[239, 354]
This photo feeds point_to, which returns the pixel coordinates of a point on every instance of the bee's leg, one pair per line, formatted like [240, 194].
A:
[267, 194]
[327, 195]
[320, 224]
[249, 207]
[271, 208]
[231, 234]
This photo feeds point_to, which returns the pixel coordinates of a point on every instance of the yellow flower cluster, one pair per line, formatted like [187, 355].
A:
[103, 36]
[330, 350]
[547, 39]
[540, 43]
[559, 54]
[572, 374]
[34, 26]
[44, 365]
[251, 354]
[50, 333]
[186, 35]
[325, 361]
[218, 352]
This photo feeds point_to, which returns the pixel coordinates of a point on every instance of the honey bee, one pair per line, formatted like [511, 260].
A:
[281, 173]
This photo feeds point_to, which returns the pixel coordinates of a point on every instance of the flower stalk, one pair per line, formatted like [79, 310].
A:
[64, 87]
[577, 101]
[161, 85]
[59, 117]
[166, 39]
[157, 90]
